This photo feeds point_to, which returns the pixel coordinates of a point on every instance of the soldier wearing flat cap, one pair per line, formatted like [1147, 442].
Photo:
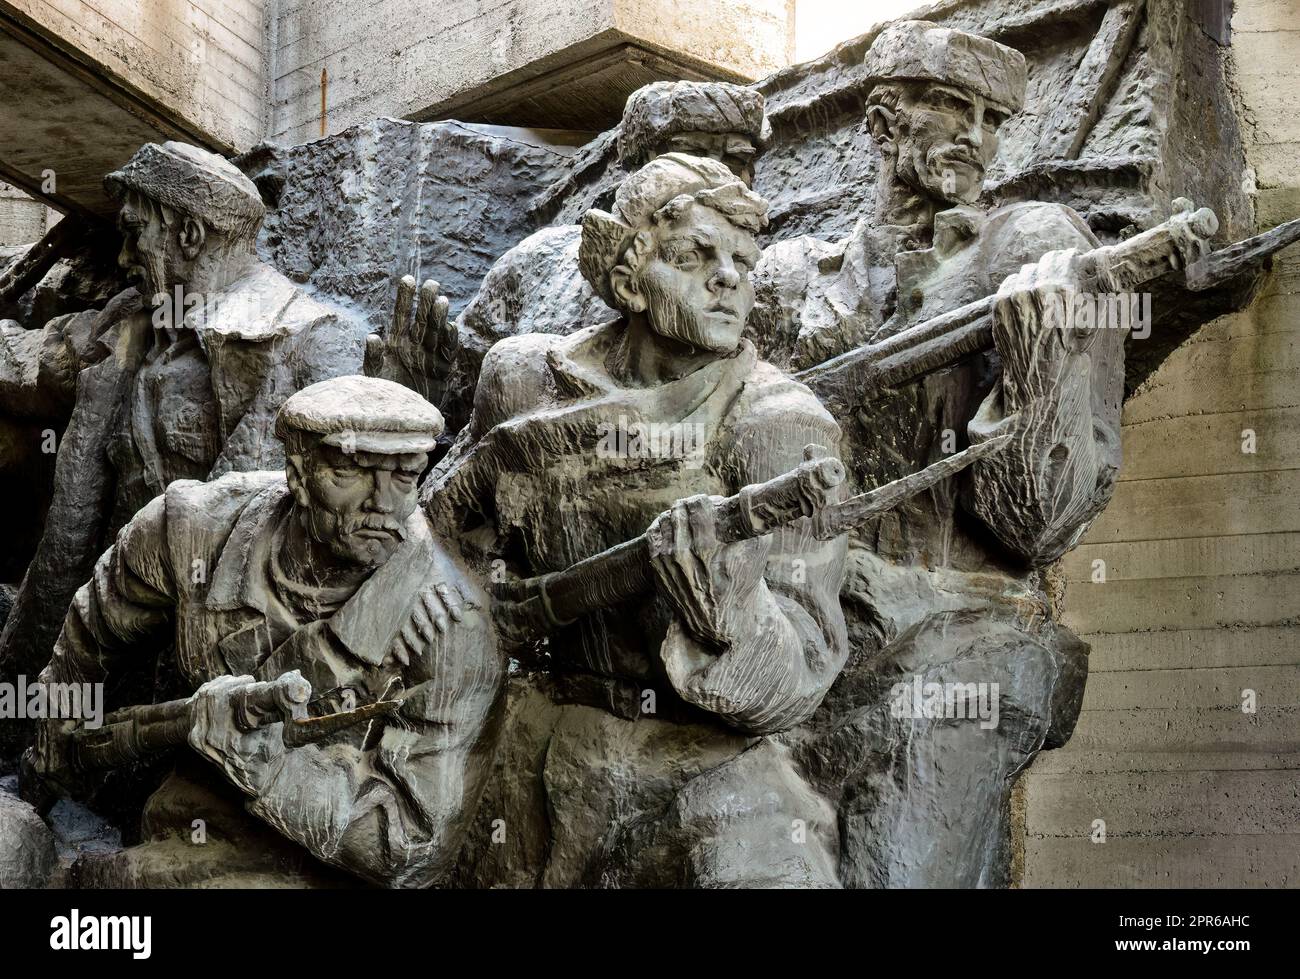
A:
[178, 380]
[327, 568]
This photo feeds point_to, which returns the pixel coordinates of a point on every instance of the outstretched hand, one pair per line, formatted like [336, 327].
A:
[420, 346]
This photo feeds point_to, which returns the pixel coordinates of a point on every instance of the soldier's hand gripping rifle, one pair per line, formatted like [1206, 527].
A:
[546, 602]
[853, 377]
[134, 733]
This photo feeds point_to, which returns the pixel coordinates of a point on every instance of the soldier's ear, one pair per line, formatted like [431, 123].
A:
[191, 236]
[295, 473]
[622, 283]
[883, 124]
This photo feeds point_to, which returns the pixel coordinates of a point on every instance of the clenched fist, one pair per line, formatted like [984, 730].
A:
[710, 585]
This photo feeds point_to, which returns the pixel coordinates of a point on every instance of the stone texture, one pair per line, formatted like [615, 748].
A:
[349, 215]
[27, 854]
[952, 587]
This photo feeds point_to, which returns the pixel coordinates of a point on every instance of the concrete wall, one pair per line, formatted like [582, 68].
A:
[22, 219]
[201, 61]
[514, 62]
[1202, 580]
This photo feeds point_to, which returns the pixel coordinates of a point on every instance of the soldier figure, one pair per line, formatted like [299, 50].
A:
[739, 641]
[328, 569]
[952, 590]
[181, 380]
[536, 287]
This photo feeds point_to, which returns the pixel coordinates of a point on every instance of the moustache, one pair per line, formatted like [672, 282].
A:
[375, 522]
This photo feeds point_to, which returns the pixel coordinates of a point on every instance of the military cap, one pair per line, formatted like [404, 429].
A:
[919, 50]
[662, 109]
[195, 181]
[362, 414]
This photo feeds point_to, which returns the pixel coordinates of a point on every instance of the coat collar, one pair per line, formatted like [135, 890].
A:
[369, 620]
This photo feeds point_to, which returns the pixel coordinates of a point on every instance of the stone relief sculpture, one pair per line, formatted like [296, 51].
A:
[341, 664]
[178, 379]
[721, 657]
[949, 590]
[738, 640]
[535, 287]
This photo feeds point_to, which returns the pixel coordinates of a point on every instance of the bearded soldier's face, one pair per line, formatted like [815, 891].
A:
[945, 138]
[359, 502]
[696, 281]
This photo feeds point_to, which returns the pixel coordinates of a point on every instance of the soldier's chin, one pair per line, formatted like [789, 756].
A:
[956, 182]
[365, 552]
[715, 333]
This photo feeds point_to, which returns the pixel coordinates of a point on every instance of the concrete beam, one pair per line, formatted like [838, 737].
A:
[557, 64]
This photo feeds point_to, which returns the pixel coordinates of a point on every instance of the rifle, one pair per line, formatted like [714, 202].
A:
[133, 733]
[948, 338]
[622, 572]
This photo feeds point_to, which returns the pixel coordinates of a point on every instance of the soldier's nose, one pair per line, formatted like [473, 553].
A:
[726, 277]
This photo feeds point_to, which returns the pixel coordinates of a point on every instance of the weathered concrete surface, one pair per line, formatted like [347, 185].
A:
[202, 62]
[1201, 556]
[513, 62]
[349, 215]
[22, 219]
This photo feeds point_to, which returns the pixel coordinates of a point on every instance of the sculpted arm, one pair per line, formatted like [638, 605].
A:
[758, 636]
[1060, 394]
[391, 811]
[38, 368]
[128, 601]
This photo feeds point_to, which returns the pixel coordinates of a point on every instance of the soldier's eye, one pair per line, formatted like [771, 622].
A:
[688, 259]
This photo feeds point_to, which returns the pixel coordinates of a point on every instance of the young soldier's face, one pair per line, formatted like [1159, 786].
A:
[359, 502]
[696, 283]
[945, 139]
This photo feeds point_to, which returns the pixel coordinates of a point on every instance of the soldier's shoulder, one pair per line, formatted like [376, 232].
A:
[544, 243]
[301, 305]
[513, 360]
[534, 370]
[774, 418]
[515, 376]
[532, 260]
[771, 393]
[1034, 228]
[212, 508]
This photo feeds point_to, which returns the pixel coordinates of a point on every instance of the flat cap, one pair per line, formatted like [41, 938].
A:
[194, 181]
[662, 109]
[919, 50]
[362, 414]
